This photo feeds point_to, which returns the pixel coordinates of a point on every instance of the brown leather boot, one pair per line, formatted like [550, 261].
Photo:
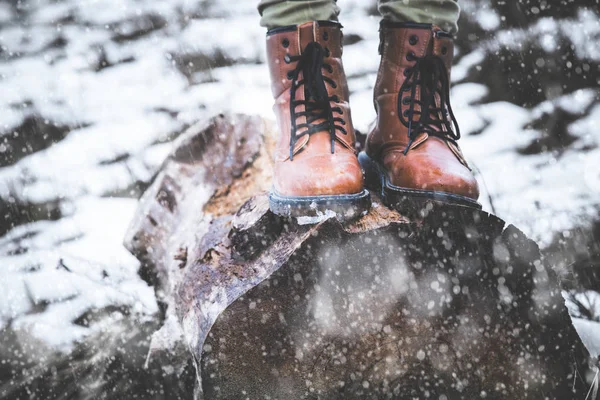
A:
[316, 168]
[412, 157]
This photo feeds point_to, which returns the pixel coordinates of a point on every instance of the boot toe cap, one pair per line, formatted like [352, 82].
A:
[320, 175]
[427, 172]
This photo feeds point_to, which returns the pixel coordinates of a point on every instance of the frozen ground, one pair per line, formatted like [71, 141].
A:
[93, 92]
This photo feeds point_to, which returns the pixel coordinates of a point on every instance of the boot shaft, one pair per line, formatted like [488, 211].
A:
[310, 88]
[400, 44]
[412, 90]
[290, 41]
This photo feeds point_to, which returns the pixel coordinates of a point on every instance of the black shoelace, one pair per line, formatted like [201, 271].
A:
[430, 75]
[317, 101]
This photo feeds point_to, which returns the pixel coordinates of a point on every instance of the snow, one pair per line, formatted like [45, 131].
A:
[234, 44]
[460, 71]
[588, 332]
[535, 192]
[73, 266]
[583, 31]
[124, 115]
[5, 12]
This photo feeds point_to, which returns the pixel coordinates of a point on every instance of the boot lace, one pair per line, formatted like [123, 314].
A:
[317, 103]
[429, 75]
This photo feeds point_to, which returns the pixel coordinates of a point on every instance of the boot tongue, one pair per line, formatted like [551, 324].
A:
[313, 54]
[317, 113]
[314, 85]
[307, 33]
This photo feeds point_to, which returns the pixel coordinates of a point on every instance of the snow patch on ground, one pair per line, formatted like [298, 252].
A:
[55, 272]
[588, 332]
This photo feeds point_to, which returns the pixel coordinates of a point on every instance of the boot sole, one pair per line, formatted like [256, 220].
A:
[345, 207]
[412, 202]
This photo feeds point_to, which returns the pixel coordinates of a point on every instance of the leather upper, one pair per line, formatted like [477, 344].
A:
[314, 169]
[432, 161]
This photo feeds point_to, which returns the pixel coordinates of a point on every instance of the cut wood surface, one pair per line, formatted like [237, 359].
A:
[454, 304]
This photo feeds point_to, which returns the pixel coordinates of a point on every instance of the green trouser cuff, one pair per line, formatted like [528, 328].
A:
[443, 13]
[277, 13]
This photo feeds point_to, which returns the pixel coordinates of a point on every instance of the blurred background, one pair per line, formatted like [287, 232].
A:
[93, 93]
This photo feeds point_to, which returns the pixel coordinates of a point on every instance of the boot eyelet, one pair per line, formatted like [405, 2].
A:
[444, 50]
[285, 43]
[411, 56]
[327, 52]
[405, 113]
[335, 99]
[407, 71]
[406, 101]
[290, 75]
[414, 39]
[329, 69]
[334, 85]
[287, 59]
[325, 35]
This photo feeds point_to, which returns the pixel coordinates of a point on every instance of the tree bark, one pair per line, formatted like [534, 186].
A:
[454, 304]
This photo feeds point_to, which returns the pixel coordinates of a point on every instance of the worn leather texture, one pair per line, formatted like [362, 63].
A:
[431, 163]
[314, 169]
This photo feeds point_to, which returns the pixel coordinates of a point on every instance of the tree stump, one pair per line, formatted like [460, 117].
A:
[453, 305]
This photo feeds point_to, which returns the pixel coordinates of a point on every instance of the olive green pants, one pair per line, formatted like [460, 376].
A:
[444, 13]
